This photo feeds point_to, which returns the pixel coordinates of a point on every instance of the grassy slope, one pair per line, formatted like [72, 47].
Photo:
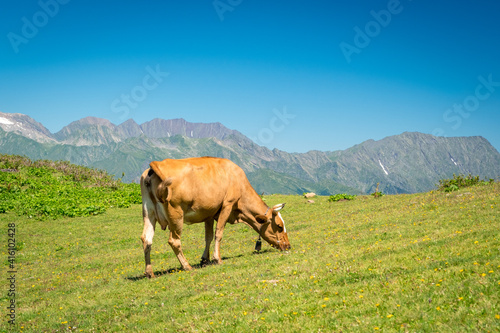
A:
[423, 262]
[50, 189]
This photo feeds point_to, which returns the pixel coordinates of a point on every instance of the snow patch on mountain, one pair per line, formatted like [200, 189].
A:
[5, 121]
[383, 167]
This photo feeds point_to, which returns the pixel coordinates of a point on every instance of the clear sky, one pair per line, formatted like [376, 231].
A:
[292, 75]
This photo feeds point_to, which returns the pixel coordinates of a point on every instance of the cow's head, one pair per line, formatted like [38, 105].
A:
[273, 228]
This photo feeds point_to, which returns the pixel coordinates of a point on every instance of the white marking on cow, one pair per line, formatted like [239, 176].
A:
[383, 167]
[5, 121]
[453, 161]
[284, 227]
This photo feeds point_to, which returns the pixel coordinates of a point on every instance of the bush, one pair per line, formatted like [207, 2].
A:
[461, 181]
[377, 193]
[338, 197]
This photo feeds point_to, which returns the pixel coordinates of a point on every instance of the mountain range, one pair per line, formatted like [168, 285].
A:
[406, 163]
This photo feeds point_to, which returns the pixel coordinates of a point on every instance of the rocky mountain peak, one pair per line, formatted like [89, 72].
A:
[25, 126]
[94, 121]
[130, 129]
[89, 131]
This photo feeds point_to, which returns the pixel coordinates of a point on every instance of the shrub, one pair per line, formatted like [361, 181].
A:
[338, 197]
[461, 181]
[377, 193]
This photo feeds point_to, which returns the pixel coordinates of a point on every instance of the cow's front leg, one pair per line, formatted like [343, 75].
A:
[147, 241]
[221, 223]
[209, 235]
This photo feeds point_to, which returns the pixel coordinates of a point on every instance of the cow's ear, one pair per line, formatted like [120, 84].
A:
[261, 218]
[278, 207]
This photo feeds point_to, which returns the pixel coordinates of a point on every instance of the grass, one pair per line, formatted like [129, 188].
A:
[417, 263]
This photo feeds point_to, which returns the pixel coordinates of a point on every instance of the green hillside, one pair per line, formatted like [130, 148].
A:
[424, 262]
[48, 189]
[270, 182]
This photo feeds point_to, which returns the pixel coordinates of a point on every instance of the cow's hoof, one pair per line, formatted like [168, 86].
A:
[149, 272]
[204, 262]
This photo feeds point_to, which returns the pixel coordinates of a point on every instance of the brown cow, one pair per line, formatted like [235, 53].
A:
[204, 189]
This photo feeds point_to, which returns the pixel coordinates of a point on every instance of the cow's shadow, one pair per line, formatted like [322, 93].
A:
[178, 269]
[262, 251]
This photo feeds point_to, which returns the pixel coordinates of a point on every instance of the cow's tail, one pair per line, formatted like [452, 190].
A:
[163, 193]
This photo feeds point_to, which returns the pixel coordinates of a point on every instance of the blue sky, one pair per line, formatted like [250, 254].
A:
[292, 75]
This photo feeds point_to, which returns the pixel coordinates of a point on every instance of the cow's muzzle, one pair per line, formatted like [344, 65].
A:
[282, 246]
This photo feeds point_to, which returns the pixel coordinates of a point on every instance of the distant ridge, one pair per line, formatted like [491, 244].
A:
[92, 131]
[161, 128]
[406, 163]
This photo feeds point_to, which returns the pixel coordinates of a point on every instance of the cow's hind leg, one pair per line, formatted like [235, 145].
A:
[147, 240]
[175, 222]
[209, 235]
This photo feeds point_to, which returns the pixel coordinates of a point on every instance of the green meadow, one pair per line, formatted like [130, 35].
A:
[427, 262]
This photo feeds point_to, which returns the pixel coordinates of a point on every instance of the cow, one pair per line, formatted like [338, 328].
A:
[204, 189]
